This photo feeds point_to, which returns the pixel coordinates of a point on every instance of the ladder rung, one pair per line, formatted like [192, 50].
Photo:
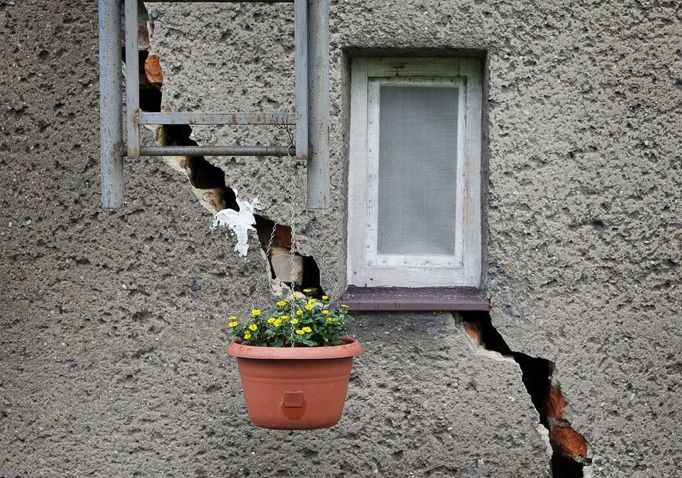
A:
[277, 151]
[279, 118]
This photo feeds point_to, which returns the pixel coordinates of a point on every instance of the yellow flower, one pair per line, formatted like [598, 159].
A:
[308, 307]
[232, 318]
[277, 322]
[307, 329]
[255, 312]
[344, 306]
[296, 295]
[300, 332]
[253, 327]
[247, 335]
[311, 301]
[299, 312]
[325, 312]
[294, 321]
[285, 317]
[330, 320]
[233, 324]
[282, 303]
[307, 291]
[271, 320]
[324, 297]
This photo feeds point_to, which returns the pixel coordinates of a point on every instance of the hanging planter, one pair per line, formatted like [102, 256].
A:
[294, 362]
[295, 388]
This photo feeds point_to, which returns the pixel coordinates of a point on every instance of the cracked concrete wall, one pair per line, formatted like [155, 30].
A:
[112, 323]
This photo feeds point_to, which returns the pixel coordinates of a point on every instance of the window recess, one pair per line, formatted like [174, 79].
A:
[414, 215]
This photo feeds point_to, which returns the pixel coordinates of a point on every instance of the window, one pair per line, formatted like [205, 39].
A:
[414, 217]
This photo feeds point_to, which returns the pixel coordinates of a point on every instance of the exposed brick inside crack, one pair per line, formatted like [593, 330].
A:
[208, 181]
[569, 448]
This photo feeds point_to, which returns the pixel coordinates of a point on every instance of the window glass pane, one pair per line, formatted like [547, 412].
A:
[417, 170]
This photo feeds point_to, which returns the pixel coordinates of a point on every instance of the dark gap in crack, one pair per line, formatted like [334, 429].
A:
[490, 338]
[150, 100]
[536, 374]
[310, 277]
[565, 467]
[209, 179]
[264, 231]
[150, 92]
[202, 175]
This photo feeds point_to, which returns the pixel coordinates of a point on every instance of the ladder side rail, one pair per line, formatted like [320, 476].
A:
[301, 76]
[132, 79]
[318, 97]
[110, 104]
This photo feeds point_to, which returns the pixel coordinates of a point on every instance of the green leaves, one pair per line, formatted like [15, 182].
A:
[297, 321]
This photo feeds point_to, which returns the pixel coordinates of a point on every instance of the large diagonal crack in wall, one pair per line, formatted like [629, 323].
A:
[208, 181]
[569, 448]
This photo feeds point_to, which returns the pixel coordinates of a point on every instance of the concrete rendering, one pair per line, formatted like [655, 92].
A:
[112, 323]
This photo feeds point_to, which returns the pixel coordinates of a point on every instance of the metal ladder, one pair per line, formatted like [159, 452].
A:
[311, 118]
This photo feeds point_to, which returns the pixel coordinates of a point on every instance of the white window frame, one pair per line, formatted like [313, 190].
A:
[365, 266]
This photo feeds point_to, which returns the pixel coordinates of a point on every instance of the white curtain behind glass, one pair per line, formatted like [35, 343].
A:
[417, 170]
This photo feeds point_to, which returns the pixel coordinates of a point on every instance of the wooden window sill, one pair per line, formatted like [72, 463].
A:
[414, 299]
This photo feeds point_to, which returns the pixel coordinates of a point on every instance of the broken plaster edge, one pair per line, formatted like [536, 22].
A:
[239, 223]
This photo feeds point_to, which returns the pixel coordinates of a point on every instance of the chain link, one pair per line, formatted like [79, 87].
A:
[292, 249]
[292, 253]
[268, 249]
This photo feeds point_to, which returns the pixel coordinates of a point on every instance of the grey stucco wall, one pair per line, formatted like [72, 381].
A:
[112, 323]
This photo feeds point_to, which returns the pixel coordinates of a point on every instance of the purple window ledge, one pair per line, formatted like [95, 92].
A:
[419, 298]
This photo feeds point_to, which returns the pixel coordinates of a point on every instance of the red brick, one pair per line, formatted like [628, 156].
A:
[555, 403]
[282, 236]
[152, 68]
[568, 442]
[472, 331]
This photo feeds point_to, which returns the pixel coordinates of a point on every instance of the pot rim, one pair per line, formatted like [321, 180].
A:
[352, 348]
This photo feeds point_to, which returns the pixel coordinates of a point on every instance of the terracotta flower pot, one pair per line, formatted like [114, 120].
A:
[295, 388]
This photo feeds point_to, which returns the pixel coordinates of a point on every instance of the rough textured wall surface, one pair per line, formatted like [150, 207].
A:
[112, 323]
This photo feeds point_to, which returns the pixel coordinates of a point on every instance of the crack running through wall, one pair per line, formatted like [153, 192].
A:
[569, 448]
[208, 181]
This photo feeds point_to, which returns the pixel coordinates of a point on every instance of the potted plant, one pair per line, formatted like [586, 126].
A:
[294, 362]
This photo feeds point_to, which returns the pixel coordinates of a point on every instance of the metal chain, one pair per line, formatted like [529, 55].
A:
[268, 249]
[292, 249]
[292, 252]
